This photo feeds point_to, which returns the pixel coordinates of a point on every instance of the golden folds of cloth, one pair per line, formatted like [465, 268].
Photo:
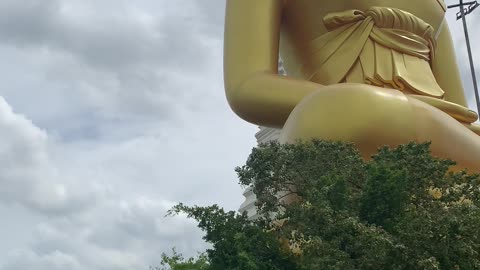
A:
[385, 47]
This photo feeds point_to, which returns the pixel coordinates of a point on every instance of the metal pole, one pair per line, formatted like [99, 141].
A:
[472, 66]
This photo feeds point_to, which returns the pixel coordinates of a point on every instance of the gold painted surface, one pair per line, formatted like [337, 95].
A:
[385, 47]
[374, 72]
[442, 4]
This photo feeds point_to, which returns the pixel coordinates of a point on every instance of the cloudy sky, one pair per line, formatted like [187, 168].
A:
[111, 111]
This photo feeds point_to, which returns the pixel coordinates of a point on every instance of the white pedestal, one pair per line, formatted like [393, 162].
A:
[263, 136]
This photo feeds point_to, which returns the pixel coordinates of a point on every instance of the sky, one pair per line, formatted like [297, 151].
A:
[111, 112]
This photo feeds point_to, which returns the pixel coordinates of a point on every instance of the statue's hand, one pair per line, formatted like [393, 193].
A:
[456, 111]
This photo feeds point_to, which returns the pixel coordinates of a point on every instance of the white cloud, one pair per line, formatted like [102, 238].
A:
[26, 259]
[92, 211]
[124, 116]
[111, 61]
[27, 176]
[115, 235]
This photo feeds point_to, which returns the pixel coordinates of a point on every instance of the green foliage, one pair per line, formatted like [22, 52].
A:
[177, 262]
[322, 206]
[236, 240]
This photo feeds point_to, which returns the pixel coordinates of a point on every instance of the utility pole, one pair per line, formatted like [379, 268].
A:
[465, 9]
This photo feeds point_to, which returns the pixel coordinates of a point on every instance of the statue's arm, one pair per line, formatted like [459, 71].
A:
[254, 90]
[445, 68]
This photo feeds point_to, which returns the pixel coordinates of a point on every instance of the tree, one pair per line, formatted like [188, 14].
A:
[322, 206]
[177, 262]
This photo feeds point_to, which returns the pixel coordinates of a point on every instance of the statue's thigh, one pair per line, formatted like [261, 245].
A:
[352, 112]
[372, 117]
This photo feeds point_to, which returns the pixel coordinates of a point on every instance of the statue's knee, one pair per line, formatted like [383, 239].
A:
[352, 112]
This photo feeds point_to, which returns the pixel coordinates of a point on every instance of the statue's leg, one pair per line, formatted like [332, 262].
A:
[372, 117]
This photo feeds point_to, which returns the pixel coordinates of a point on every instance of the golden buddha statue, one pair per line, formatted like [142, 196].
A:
[372, 72]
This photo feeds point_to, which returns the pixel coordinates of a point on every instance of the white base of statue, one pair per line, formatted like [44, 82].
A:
[265, 135]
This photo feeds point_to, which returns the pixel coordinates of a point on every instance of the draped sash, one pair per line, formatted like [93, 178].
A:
[384, 47]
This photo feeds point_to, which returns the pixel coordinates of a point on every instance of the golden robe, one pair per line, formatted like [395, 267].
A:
[385, 47]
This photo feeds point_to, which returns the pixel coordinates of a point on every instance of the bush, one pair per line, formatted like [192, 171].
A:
[322, 206]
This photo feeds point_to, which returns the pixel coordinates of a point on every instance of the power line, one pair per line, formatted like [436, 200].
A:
[465, 9]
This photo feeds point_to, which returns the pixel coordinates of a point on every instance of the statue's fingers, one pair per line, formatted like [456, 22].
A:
[458, 112]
